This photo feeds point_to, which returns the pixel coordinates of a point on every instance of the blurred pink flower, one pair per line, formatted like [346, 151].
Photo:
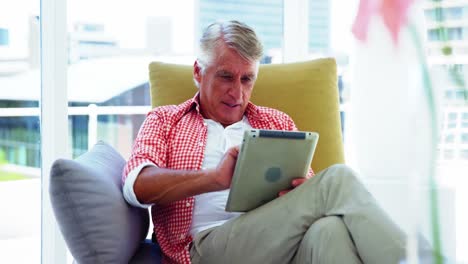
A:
[394, 14]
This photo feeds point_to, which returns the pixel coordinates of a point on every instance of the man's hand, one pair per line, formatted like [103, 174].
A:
[296, 182]
[222, 174]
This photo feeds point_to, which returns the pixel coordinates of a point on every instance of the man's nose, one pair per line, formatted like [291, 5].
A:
[236, 90]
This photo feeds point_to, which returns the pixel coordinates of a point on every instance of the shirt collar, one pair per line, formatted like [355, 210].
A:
[251, 111]
[193, 103]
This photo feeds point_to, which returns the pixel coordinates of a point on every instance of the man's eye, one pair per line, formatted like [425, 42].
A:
[246, 79]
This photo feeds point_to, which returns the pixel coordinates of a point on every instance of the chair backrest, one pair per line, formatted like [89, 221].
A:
[306, 91]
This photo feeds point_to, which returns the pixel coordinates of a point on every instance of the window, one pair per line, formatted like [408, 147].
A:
[439, 15]
[453, 13]
[464, 138]
[458, 68]
[20, 182]
[452, 116]
[444, 14]
[449, 138]
[103, 43]
[449, 94]
[455, 33]
[430, 14]
[464, 154]
[319, 27]
[449, 154]
[460, 94]
[451, 125]
[439, 34]
[465, 117]
[436, 34]
[4, 38]
[451, 121]
[266, 17]
[101, 46]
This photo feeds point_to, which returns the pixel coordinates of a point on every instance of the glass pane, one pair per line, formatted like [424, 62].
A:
[449, 138]
[452, 162]
[455, 33]
[319, 27]
[109, 57]
[20, 193]
[108, 65]
[465, 117]
[460, 95]
[329, 36]
[266, 17]
[464, 154]
[464, 138]
[451, 125]
[452, 116]
[448, 154]
[453, 13]
[120, 130]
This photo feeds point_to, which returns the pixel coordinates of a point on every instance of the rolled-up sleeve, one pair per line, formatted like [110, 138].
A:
[128, 191]
[150, 145]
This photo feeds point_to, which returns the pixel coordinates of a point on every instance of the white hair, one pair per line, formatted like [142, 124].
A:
[235, 35]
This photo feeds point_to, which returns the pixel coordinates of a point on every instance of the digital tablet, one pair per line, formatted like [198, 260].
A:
[268, 160]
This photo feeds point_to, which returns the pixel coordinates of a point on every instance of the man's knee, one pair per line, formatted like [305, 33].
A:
[340, 173]
[328, 228]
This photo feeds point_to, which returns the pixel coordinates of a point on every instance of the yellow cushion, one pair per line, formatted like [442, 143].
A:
[307, 91]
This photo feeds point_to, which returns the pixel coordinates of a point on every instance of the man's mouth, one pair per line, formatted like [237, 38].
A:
[231, 105]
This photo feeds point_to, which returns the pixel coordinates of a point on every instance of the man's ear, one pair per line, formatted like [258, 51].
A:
[197, 71]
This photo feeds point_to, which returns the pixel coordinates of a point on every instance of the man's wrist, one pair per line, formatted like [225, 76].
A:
[211, 182]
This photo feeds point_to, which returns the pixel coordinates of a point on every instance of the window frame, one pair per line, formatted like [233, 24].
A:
[53, 118]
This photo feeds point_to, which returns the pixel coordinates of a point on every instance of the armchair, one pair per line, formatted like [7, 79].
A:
[98, 225]
[306, 91]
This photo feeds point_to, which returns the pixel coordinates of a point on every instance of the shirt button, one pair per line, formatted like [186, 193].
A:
[187, 204]
[182, 236]
[200, 144]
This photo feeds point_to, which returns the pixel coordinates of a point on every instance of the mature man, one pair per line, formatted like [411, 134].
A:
[183, 160]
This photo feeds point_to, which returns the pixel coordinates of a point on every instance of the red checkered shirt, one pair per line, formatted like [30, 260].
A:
[175, 137]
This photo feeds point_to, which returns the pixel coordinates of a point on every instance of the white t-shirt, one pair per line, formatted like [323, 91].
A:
[209, 210]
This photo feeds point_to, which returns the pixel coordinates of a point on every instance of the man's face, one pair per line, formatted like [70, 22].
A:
[226, 85]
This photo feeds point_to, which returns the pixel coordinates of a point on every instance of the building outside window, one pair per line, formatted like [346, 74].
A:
[265, 16]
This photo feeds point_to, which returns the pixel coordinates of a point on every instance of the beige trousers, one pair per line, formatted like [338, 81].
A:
[331, 218]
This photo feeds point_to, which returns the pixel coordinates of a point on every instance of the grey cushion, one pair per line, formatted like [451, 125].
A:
[96, 222]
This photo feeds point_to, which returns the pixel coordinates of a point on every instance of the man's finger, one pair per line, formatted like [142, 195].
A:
[283, 192]
[234, 151]
[297, 182]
